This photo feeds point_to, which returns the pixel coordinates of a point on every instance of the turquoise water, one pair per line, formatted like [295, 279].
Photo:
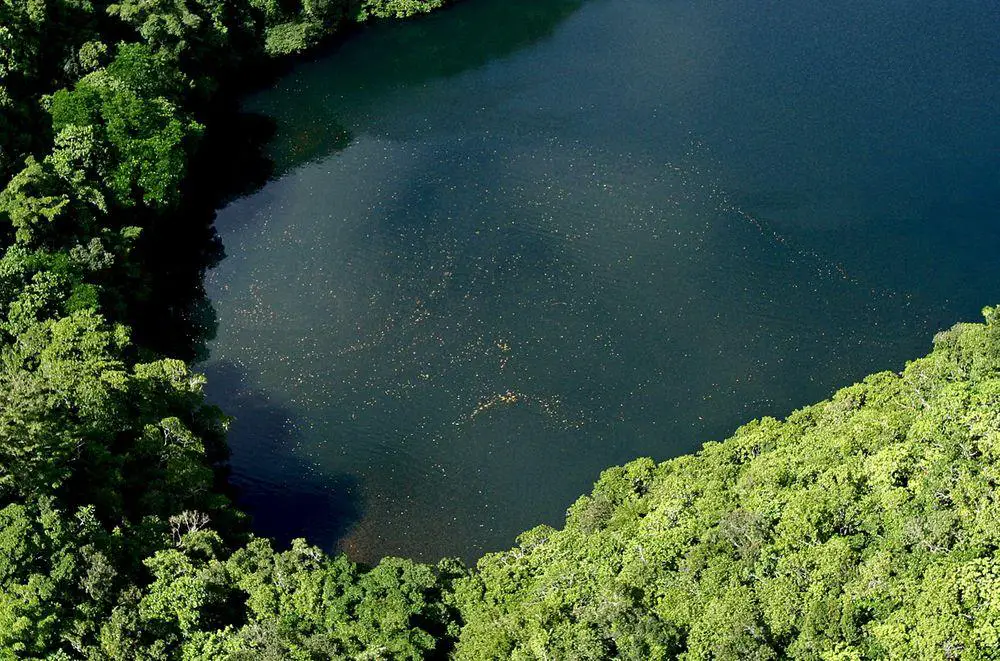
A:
[521, 241]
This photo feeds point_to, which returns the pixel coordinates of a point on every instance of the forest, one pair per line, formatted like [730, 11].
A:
[864, 526]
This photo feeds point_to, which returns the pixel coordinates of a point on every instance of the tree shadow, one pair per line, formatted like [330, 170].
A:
[172, 314]
[393, 55]
[238, 154]
[284, 495]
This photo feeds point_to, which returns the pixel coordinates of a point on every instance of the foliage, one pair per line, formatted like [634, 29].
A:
[132, 124]
[399, 8]
[38, 42]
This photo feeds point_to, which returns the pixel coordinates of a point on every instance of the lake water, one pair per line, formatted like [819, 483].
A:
[521, 241]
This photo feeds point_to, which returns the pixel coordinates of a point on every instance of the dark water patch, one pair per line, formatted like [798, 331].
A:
[285, 496]
[315, 103]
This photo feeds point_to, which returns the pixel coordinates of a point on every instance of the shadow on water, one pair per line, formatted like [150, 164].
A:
[173, 315]
[238, 155]
[355, 73]
[283, 495]
[242, 150]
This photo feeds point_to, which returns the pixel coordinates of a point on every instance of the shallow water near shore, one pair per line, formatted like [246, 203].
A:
[520, 241]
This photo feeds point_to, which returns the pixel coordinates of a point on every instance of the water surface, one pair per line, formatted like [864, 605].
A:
[525, 240]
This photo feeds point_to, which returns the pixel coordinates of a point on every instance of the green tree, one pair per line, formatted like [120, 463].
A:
[145, 136]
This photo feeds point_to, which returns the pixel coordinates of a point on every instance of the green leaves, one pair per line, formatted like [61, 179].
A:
[51, 560]
[134, 129]
[399, 8]
[170, 28]
[36, 205]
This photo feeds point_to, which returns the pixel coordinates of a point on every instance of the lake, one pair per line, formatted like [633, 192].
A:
[520, 241]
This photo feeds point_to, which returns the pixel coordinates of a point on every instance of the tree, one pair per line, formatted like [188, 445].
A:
[146, 138]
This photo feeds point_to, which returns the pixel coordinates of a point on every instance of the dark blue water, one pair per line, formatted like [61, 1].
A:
[524, 240]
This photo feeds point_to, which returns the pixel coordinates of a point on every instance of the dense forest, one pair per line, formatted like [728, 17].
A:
[864, 526]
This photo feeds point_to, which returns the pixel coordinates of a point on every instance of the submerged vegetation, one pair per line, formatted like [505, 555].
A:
[864, 526]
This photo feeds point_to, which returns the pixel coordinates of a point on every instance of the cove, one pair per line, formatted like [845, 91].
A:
[520, 241]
